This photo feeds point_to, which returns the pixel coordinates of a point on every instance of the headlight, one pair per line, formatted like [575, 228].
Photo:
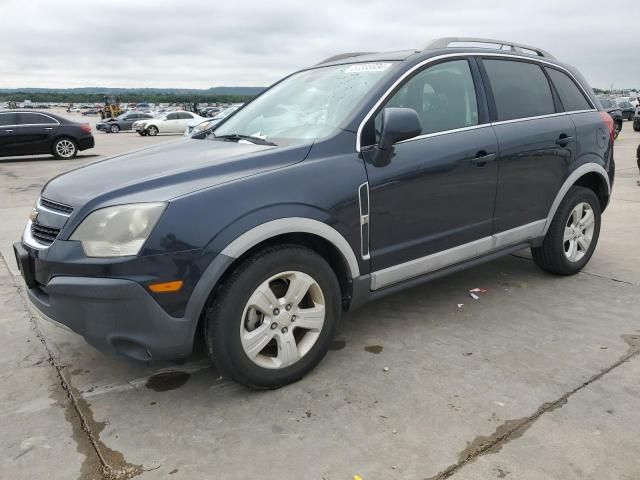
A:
[201, 126]
[118, 231]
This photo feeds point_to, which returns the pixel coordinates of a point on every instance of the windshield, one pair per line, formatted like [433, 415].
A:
[306, 106]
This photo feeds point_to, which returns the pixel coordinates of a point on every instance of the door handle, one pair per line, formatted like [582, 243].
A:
[48, 128]
[483, 158]
[563, 140]
[8, 131]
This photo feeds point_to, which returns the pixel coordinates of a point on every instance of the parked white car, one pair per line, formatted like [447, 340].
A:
[168, 122]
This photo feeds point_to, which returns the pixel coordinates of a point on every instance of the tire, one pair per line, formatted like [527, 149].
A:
[142, 133]
[232, 315]
[617, 129]
[554, 255]
[64, 148]
[114, 128]
[152, 131]
[636, 129]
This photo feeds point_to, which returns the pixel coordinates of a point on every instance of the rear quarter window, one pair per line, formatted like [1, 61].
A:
[34, 119]
[520, 89]
[570, 95]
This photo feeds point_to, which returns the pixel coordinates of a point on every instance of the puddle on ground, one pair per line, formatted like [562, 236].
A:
[373, 349]
[337, 345]
[163, 382]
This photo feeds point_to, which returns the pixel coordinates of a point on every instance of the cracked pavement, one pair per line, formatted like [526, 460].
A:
[536, 379]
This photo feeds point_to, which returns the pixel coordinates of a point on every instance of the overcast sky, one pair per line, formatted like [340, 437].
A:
[197, 44]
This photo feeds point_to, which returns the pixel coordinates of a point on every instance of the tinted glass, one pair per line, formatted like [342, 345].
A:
[185, 116]
[443, 96]
[8, 119]
[520, 89]
[34, 119]
[172, 116]
[570, 95]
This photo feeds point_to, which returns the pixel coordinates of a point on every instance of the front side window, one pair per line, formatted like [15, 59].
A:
[306, 106]
[172, 116]
[8, 119]
[443, 96]
[570, 95]
[520, 89]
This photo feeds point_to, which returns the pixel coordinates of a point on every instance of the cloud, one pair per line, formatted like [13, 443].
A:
[69, 43]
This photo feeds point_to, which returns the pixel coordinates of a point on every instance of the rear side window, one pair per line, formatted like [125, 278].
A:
[570, 95]
[520, 89]
[34, 119]
[185, 116]
[8, 119]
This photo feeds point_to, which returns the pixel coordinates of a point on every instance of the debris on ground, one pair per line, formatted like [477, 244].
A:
[473, 292]
[386, 369]
[460, 305]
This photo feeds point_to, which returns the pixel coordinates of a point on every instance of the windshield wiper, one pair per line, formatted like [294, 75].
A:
[234, 137]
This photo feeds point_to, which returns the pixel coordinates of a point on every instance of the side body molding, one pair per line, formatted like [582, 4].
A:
[568, 183]
[293, 225]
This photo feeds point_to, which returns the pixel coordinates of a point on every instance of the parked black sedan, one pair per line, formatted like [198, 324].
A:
[35, 133]
[627, 110]
[612, 108]
[122, 122]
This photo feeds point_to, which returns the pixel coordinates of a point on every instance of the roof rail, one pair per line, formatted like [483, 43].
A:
[514, 47]
[341, 56]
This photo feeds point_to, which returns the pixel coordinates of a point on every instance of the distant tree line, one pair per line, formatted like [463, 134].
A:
[71, 97]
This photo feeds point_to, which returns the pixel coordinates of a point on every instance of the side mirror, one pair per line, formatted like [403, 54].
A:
[398, 124]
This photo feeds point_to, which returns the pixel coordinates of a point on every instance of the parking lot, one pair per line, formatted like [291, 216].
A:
[536, 379]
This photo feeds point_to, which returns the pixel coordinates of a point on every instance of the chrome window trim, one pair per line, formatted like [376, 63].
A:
[446, 258]
[445, 132]
[418, 66]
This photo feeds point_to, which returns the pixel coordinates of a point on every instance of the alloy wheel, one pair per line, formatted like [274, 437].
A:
[65, 148]
[282, 320]
[578, 232]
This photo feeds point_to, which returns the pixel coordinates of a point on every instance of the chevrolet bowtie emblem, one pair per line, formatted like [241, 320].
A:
[33, 216]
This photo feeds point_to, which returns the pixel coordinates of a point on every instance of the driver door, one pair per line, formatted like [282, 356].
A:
[433, 204]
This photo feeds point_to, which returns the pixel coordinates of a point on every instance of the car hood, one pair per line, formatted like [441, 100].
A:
[166, 171]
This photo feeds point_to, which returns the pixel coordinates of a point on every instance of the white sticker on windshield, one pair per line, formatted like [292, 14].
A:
[368, 67]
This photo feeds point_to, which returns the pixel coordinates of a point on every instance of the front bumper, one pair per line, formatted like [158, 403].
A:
[118, 316]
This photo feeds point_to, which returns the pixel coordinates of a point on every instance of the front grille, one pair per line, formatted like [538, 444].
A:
[42, 234]
[55, 206]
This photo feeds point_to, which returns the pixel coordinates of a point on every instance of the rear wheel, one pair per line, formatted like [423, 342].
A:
[65, 148]
[273, 319]
[573, 234]
[114, 128]
[617, 129]
[152, 131]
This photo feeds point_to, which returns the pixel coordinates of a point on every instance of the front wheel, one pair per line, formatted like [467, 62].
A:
[573, 234]
[114, 128]
[273, 319]
[152, 131]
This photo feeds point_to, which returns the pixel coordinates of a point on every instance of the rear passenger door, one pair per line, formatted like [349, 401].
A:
[536, 142]
[8, 122]
[185, 119]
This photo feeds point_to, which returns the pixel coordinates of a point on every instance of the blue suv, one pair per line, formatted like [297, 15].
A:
[355, 178]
